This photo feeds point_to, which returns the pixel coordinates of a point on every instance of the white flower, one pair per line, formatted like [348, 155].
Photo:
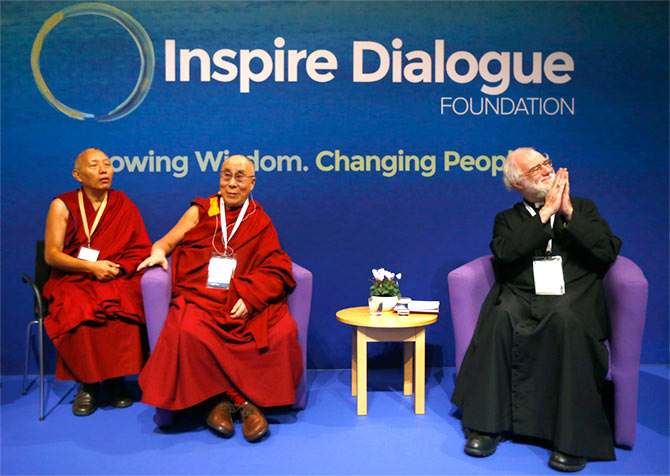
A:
[382, 274]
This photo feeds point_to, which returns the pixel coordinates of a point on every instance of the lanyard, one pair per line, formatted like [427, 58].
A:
[224, 227]
[101, 209]
[551, 221]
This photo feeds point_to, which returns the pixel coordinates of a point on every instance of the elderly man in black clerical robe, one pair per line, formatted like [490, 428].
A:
[537, 361]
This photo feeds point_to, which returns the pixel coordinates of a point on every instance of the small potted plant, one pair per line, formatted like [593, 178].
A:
[385, 288]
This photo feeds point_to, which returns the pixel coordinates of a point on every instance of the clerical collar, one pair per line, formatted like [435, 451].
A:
[536, 205]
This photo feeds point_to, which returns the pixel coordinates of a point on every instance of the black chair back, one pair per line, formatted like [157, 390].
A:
[42, 271]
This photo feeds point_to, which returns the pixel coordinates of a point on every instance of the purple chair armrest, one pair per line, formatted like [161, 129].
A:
[468, 286]
[299, 303]
[626, 291]
[156, 294]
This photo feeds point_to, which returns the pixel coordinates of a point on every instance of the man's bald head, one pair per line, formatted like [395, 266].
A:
[237, 160]
[85, 155]
[93, 169]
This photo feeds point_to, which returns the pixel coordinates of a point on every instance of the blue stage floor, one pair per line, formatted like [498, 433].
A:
[325, 438]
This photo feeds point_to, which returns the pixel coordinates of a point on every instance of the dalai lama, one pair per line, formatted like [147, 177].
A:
[228, 335]
[94, 240]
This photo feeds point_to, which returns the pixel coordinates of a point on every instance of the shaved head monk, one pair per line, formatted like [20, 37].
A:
[228, 336]
[94, 240]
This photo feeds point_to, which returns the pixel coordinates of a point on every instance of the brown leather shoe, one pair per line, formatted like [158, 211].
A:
[84, 402]
[254, 424]
[221, 418]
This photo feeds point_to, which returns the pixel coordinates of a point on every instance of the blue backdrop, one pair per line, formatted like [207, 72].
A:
[456, 84]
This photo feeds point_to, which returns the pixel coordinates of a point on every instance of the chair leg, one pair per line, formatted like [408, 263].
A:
[163, 417]
[41, 338]
[25, 367]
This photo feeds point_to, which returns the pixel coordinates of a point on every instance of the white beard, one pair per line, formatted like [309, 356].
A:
[538, 191]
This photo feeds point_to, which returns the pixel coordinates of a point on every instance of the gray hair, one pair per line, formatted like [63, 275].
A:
[511, 173]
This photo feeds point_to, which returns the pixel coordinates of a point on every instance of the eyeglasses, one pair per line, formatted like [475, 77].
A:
[240, 178]
[536, 169]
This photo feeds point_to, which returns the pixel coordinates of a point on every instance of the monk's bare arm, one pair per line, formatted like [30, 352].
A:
[167, 244]
[54, 241]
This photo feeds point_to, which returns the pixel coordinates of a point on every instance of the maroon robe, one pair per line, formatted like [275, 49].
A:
[202, 351]
[96, 326]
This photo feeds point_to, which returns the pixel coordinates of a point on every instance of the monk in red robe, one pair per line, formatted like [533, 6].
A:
[94, 240]
[228, 333]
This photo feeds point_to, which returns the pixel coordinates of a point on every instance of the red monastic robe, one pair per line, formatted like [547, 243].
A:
[97, 327]
[202, 351]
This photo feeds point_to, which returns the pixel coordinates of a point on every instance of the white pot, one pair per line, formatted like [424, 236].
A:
[388, 302]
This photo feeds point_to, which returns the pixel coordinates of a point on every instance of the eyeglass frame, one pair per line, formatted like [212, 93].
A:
[533, 170]
[239, 178]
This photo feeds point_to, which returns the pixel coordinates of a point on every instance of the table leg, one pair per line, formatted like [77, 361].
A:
[420, 372]
[408, 363]
[362, 371]
[354, 348]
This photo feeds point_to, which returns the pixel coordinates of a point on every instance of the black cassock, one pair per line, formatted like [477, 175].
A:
[537, 364]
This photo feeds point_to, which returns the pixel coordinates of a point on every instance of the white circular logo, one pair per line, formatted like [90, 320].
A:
[137, 32]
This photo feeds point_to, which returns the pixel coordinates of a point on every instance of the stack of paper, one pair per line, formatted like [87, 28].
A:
[424, 306]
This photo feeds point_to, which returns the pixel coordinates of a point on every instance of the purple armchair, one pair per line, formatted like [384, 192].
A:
[157, 292]
[626, 294]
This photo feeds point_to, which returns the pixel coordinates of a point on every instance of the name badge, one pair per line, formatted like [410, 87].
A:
[220, 271]
[88, 254]
[548, 275]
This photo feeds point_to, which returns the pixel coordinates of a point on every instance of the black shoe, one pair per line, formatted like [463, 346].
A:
[565, 462]
[84, 402]
[480, 445]
[118, 395]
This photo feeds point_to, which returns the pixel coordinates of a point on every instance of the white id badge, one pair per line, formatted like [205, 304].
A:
[548, 276]
[88, 254]
[220, 271]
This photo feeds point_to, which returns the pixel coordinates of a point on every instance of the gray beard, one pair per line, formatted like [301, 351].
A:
[537, 192]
